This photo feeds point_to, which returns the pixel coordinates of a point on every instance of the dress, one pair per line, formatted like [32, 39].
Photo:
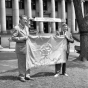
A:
[19, 36]
[62, 66]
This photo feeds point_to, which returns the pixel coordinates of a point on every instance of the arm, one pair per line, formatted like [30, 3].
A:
[16, 37]
[69, 37]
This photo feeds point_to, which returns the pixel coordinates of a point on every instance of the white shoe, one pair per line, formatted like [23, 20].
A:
[56, 75]
[66, 74]
[27, 77]
[22, 79]
[1, 47]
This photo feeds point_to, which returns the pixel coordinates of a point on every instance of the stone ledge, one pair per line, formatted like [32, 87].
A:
[7, 49]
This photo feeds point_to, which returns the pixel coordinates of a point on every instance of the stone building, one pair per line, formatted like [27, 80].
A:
[10, 10]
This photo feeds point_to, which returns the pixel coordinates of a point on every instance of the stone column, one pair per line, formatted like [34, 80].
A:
[59, 15]
[41, 15]
[3, 15]
[0, 16]
[53, 29]
[0, 27]
[69, 14]
[63, 9]
[29, 9]
[72, 17]
[82, 5]
[15, 12]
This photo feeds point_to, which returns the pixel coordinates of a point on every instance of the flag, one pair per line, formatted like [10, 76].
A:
[45, 50]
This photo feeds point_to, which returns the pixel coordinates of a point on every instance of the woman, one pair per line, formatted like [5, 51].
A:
[20, 35]
[62, 66]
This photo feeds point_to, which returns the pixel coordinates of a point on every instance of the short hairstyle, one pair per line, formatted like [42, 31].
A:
[22, 16]
[64, 24]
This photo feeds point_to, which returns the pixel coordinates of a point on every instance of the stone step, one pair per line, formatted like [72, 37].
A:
[7, 49]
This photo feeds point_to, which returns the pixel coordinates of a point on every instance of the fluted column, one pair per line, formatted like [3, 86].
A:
[41, 15]
[63, 9]
[0, 16]
[15, 12]
[59, 16]
[3, 15]
[82, 5]
[53, 15]
[72, 17]
[29, 9]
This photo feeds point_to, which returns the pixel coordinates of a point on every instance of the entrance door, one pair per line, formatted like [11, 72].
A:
[45, 27]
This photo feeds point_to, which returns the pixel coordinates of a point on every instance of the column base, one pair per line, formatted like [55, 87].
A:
[3, 32]
[41, 32]
[1, 47]
[53, 31]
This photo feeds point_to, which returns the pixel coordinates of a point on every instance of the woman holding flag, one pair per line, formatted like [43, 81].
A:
[68, 36]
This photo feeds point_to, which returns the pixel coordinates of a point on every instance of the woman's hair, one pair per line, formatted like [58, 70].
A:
[22, 16]
[64, 24]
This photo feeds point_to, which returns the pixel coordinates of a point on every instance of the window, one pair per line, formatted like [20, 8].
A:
[8, 3]
[56, 25]
[9, 22]
[76, 25]
[66, 21]
[56, 5]
[34, 4]
[45, 27]
[45, 4]
[34, 24]
[66, 6]
[86, 7]
[32, 28]
[21, 4]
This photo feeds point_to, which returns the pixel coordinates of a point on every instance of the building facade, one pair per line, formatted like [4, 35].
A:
[10, 10]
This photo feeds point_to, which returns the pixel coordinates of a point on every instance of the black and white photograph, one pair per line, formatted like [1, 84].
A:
[43, 43]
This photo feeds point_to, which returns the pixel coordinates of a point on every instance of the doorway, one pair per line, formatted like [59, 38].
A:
[45, 27]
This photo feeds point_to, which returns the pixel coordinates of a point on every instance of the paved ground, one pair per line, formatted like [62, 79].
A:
[43, 76]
